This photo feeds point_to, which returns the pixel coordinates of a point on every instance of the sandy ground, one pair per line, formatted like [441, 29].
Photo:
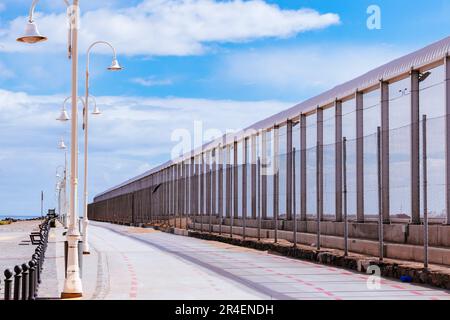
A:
[15, 245]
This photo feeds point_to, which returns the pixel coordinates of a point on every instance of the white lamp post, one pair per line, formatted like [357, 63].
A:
[62, 146]
[72, 286]
[114, 67]
[61, 189]
[63, 117]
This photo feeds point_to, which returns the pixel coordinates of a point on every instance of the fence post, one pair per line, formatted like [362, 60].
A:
[425, 191]
[380, 202]
[24, 281]
[17, 282]
[244, 185]
[259, 197]
[294, 211]
[318, 194]
[276, 174]
[8, 274]
[344, 189]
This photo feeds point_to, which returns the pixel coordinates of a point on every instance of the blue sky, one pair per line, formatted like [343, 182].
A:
[224, 63]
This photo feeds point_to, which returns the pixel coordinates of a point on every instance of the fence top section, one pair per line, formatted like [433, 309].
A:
[413, 61]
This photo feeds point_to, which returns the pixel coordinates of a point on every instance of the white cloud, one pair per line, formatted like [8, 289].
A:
[152, 81]
[131, 136]
[304, 69]
[5, 72]
[174, 27]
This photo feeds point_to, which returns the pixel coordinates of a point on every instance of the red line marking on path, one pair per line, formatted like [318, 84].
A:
[134, 283]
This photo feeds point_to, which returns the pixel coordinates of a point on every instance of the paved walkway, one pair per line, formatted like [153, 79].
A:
[53, 268]
[136, 263]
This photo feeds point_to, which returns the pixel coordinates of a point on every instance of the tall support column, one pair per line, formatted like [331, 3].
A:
[192, 189]
[359, 158]
[170, 210]
[253, 177]
[186, 188]
[385, 151]
[183, 188]
[208, 183]
[164, 193]
[415, 146]
[338, 160]
[169, 193]
[263, 174]
[178, 190]
[276, 178]
[175, 190]
[202, 186]
[228, 182]
[197, 186]
[244, 182]
[319, 154]
[235, 179]
[303, 167]
[72, 284]
[214, 182]
[289, 155]
[447, 137]
[220, 185]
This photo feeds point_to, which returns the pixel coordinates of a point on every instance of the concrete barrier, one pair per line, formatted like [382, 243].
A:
[401, 251]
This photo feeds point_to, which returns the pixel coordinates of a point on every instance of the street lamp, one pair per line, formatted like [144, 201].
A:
[115, 66]
[72, 285]
[62, 146]
[61, 187]
[63, 116]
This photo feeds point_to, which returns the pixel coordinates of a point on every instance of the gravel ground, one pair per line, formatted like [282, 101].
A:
[15, 245]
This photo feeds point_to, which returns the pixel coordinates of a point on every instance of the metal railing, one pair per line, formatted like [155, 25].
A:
[23, 284]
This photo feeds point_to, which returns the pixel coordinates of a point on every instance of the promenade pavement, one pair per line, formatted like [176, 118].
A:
[136, 263]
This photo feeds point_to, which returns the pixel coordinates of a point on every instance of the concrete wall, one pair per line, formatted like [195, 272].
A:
[439, 235]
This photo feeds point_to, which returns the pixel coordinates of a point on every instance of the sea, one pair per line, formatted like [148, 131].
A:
[18, 217]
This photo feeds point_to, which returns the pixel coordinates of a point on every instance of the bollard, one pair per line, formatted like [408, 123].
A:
[40, 259]
[36, 259]
[17, 282]
[8, 275]
[31, 282]
[36, 276]
[24, 281]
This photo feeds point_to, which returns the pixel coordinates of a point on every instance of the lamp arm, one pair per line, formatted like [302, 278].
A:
[33, 7]
[69, 97]
[88, 53]
[69, 34]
